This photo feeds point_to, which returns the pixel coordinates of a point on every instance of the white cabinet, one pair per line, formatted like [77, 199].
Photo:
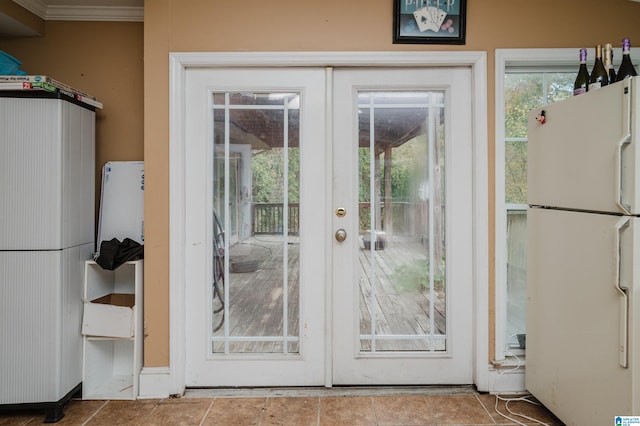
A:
[47, 199]
[111, 365]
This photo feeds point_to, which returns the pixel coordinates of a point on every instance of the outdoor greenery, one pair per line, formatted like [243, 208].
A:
[268, 173]
[267, 169]
[408, 172]
[415, 276]
[523, 92]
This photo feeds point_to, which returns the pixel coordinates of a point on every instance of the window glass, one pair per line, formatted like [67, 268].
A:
[515, 170]
[402, 278]
[523, 92]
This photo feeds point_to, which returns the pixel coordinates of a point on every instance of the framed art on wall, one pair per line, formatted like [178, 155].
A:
[429, 21]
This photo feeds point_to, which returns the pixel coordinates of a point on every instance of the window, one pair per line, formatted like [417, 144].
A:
[525, 79]
[524, 90]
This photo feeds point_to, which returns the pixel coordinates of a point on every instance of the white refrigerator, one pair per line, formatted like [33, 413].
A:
[583, 273]
[47, 205]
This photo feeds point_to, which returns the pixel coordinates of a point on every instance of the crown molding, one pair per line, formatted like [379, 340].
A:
[77, 12]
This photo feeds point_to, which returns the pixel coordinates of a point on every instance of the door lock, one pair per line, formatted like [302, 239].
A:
[341, 235]
[341, 212]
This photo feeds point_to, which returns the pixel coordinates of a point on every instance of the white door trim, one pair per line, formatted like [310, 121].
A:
[155, 382]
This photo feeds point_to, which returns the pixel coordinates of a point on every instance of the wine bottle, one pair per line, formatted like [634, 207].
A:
[608, 62]
[581, 85]
[599, 76]
[626, 67]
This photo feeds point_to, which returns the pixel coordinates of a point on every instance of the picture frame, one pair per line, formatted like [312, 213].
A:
[429, 21]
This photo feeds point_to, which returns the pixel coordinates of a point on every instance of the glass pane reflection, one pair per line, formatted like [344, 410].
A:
[402, 279]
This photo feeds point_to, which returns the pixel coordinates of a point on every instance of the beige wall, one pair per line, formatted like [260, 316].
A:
[330, 25]
[103, 59]
[106, 59]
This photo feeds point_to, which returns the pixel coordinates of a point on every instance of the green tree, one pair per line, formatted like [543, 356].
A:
[267, 171]
[524, 92]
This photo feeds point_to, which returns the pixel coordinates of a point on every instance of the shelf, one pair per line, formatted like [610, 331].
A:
[101, 282]
[123, 339]
[116, 387]
[111, 365]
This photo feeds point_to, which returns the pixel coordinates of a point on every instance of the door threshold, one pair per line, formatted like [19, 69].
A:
[334, 391]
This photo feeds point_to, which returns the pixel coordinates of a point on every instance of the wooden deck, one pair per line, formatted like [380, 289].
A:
[402, 307]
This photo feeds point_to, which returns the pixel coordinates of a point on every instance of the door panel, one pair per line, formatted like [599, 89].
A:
[402, 172]
[256, 286]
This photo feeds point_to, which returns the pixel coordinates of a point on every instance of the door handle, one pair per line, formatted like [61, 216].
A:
[623, 303]
[341, 235]
[624, 141]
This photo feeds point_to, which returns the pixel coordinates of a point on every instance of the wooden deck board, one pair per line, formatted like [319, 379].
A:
[256, 297]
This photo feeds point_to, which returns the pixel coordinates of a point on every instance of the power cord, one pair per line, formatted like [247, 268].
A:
[524, 398]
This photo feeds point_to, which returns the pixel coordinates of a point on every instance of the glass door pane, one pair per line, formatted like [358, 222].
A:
[402, 277]
[256, 222]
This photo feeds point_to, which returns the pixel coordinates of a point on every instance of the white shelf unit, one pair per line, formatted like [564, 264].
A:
[111, 366]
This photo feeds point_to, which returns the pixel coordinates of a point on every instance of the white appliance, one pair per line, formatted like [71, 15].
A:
[47, 205]
[583, 273]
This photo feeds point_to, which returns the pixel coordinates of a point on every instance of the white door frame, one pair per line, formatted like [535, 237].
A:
[163, 381]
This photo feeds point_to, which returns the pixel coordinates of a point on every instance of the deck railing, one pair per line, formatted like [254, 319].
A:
[268, 217]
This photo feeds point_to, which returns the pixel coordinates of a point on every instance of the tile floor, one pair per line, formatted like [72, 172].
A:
[427, 407]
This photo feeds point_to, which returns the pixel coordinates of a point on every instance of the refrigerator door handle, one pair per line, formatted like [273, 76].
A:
[623, 308]
[624, 141]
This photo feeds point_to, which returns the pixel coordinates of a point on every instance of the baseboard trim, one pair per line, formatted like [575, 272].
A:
[506, 380]
[156, 382]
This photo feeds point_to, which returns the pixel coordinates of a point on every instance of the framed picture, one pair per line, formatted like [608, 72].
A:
[429, 21]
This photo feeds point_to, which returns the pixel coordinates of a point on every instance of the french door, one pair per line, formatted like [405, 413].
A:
[402, 278]
[328, 226]
[256, 154]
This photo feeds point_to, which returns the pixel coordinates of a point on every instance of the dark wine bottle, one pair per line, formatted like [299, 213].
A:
[599, 76]
[581, 85]
[626, 67]
[608, 62]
